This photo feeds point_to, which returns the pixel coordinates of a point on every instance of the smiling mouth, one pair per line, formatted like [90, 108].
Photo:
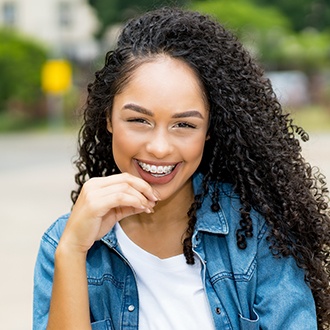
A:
[157, 171]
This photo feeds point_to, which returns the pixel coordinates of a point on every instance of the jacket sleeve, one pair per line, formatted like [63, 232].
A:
[44, 273]
[43, 282]
[283, 299]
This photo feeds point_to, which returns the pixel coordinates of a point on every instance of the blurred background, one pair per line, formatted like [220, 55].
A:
[49, 51]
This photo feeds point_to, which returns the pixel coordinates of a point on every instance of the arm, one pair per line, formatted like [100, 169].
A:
[69, 308]
[101, 203]
[283, 299]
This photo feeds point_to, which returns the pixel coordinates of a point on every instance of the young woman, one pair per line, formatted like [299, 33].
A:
[194, 207]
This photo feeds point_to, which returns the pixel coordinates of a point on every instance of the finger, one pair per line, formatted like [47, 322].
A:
[138, 183]
[122, 200]
[121, 189]
[114, 195]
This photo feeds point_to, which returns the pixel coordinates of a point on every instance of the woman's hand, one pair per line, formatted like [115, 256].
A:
[103, 202]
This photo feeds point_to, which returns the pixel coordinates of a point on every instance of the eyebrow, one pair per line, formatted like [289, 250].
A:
[142, 110]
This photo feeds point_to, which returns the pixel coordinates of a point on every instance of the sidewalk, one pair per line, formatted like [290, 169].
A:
[36, 177]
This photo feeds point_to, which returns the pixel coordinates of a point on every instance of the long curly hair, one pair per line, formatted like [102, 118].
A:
[253, 144]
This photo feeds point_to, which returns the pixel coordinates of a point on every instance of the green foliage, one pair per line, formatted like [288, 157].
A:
[20, 122]
[242, 15]
[308, 51]
[276, 31]
[303, 13]
[20, 66]
[116, 11]
[268, 33]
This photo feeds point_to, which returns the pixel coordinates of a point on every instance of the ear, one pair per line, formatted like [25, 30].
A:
[109, 125]
[207, 137]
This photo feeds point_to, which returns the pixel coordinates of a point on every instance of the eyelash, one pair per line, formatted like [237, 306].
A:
[179, 125]
[185, 125]
[137, 120]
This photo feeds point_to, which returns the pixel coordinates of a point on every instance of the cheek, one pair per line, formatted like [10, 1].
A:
[125, 140]
[120, 144]
[124, 148]
[195, 152]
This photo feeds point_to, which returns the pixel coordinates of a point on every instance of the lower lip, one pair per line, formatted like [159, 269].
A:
[146, 176]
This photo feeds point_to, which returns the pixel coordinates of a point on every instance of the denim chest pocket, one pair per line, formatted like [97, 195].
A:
[232, 277]
[236, 275]
[226, 261]
[102, 325]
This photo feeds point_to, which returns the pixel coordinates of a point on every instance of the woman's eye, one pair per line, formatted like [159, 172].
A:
[185, 125]
[137, 120]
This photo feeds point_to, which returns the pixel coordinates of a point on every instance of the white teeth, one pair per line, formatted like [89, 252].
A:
[157, 170]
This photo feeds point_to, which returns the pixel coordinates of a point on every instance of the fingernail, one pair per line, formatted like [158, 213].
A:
[156, 195]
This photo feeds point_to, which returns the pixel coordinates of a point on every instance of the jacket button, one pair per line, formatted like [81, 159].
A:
[131, 308]
[218, 310]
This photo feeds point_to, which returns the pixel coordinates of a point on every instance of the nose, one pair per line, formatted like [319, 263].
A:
[159, 144]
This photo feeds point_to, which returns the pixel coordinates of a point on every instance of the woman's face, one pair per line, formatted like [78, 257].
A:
[159, 124]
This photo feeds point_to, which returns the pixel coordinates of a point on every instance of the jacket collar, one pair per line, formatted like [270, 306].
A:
[207, 220]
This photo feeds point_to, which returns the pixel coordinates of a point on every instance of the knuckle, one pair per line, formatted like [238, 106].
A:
[129, 177]
[120, 196]
[126, 186]
[125, 175]
[92, 181]
[88, 185]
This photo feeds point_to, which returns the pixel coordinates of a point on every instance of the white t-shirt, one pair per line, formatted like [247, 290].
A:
[171, 293]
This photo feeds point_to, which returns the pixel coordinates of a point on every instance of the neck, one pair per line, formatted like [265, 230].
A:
[162, 232]
[168, 212]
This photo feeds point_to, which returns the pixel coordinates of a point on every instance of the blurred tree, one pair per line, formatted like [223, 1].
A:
[243, 15]
[254, 25]
[116, 11]
[268, 33]
[308, 51]
[303, 13]
[20, 66]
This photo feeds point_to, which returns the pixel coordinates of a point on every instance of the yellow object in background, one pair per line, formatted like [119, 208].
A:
[56, 76]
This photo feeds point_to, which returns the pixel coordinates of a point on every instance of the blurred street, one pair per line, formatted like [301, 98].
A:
[36, 177]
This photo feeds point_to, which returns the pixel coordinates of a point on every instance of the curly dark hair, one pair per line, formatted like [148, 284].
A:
[253, 144]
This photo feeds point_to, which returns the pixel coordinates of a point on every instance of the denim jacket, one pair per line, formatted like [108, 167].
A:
[246, 289]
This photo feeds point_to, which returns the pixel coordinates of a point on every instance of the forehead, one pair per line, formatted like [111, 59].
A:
[163, 63]
[166, 76]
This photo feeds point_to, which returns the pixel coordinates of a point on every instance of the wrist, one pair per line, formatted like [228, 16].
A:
[66, 249]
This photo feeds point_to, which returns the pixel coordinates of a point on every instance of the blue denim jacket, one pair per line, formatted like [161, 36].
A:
[247, 289]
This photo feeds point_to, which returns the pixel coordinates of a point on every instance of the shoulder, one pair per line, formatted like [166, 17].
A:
[227, 220]
[231, 206]
[53, 234]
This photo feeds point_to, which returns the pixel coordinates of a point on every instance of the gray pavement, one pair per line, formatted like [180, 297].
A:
[36, 177]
